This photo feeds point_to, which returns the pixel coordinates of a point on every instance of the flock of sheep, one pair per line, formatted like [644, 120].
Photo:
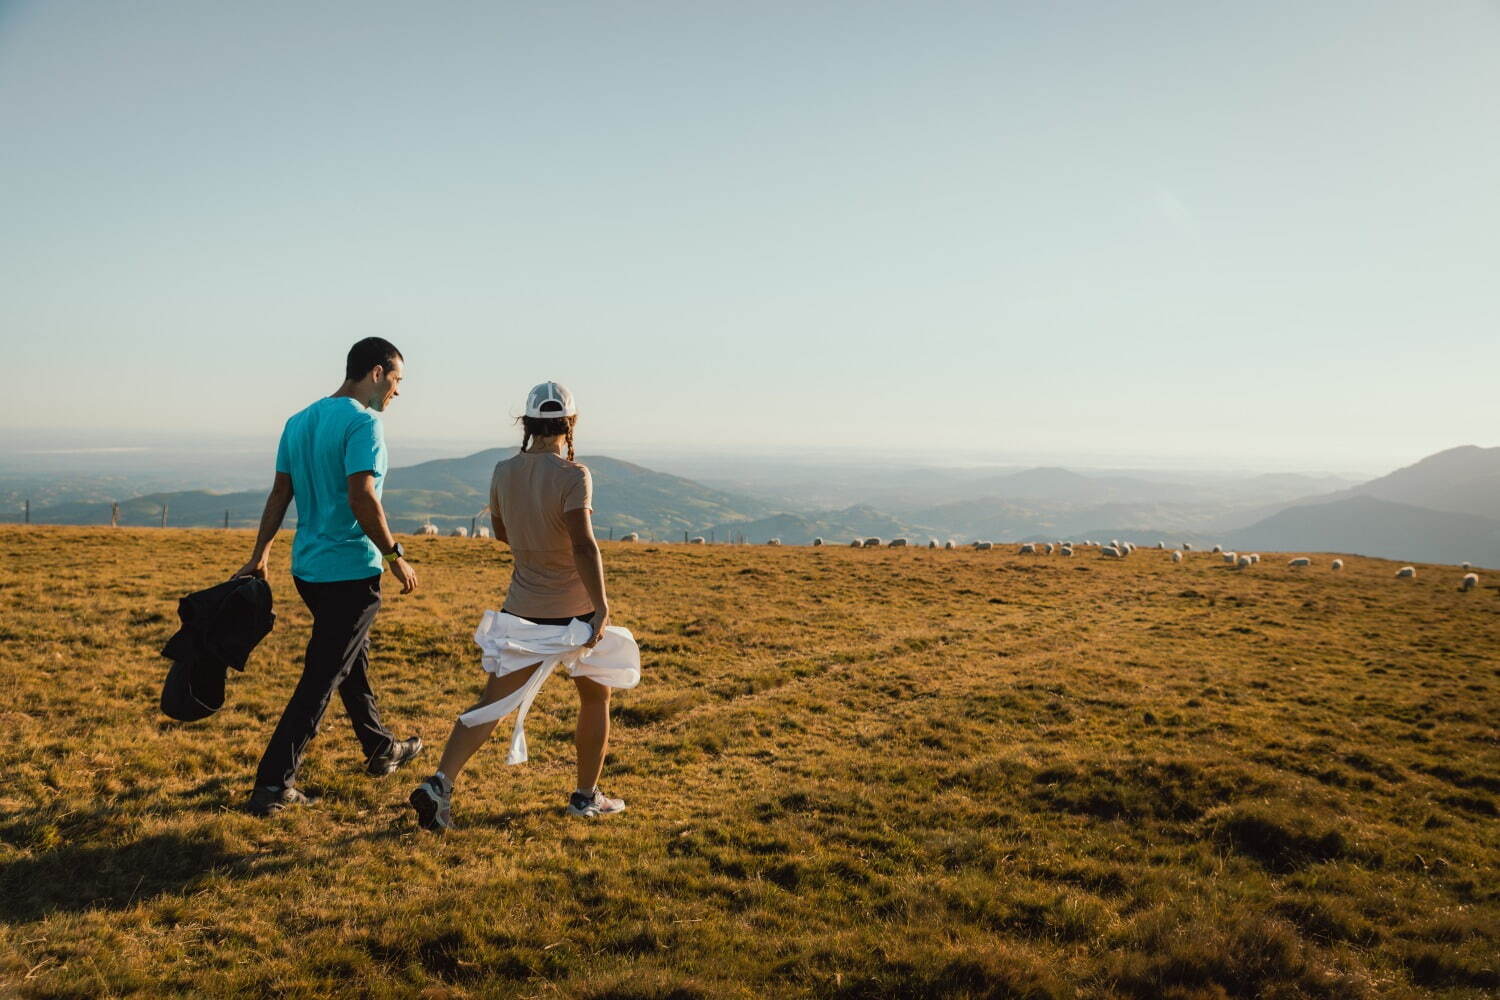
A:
[1114, 549]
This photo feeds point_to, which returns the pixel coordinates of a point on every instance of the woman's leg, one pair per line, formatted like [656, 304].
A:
[464, 740]
[592, 738]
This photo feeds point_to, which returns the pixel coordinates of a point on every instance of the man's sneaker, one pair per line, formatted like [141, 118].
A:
[268, 800]
[434, 805]
[594, 803]
[393, 756]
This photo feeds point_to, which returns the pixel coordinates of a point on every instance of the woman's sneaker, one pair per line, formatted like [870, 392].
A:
[433, 801]
[594, 803]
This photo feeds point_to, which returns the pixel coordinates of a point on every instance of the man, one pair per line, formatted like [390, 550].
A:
[332, 461]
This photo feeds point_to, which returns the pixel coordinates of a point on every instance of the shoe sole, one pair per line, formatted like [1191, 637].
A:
[427, 806]
[592, 812]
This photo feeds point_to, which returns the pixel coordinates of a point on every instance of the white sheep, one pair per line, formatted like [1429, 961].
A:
[428, 529]
[1466, 566]
[817, 542]
[1230, 557]
[697, 540]
[1244, 562]
[1162, 546]
[949, 544]
[896, 543]
[459, 532]
[631, 536]
[1471, 580]
[773, 541]
[856, 544]
[1301, 561]
[932, 543]
[1066, 550]
[1338, 564]
[1406, 573]
[1255, 557]
[872, 543]
[1110, 552]
[1051, 548]
[1187, 546]
[984, 546]
[1218, 548]
[482, 532]
[1177, 556]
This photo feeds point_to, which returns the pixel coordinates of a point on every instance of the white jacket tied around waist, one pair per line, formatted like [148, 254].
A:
[511, 643]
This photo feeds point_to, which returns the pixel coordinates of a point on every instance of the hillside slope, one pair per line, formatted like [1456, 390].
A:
[850, 774]
[1367, 526]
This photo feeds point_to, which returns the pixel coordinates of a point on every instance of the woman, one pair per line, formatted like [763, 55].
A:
[556, 613]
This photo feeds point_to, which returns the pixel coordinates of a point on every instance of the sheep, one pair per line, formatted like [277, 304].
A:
[817, 542]
[1218, 548]
[482, 532]
[872, 543]
[1301, 561]
[1162, 546]
[1471, 580]
[1255, 557]
[1177, 556]
[984, 546]
[1230, 557]
[1338, 564]
[1129, 547]
[1066, 550]
[1110, 552]
[1187, 546]
[1027, 550]
[428, 529]
[1244, 562]
[459, 532]
[773, 541]
[1466, 566]
[856, 544]
[1406, 573]
[697, 540]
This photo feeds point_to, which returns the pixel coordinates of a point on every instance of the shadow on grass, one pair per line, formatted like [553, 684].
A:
[75, 878]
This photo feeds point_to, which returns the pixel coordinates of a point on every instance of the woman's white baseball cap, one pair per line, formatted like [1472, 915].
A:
[550, 400]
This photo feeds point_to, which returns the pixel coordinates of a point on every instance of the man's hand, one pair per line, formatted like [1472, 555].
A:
[597, 622]
[405, 575]
[256, 567]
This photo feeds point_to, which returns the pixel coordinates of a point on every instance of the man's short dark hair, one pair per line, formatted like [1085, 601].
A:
[367, 354]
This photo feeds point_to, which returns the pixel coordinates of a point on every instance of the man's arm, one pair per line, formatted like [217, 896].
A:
[277, 502]
[590, 566]
[371, 517]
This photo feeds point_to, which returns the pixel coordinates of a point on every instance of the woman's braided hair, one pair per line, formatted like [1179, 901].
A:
[547, 427]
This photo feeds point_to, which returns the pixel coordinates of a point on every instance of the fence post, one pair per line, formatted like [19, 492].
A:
[28, 510]
[114, 514]
[163, 515]
[226, 518]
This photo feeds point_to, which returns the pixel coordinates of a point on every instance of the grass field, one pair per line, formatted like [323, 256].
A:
[850, 774]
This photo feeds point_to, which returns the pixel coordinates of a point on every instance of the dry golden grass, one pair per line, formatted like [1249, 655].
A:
[850, 774]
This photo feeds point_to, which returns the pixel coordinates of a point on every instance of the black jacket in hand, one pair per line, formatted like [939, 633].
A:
[220, 626]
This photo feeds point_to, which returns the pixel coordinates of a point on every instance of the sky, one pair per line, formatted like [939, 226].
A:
[1262, 235]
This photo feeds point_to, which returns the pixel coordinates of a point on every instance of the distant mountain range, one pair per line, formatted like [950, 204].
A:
[1445, 508]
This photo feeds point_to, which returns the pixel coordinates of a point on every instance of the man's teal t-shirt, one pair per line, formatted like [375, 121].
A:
[321, 447]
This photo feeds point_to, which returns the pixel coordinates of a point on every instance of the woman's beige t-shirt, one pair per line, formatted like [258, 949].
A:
[532, 491]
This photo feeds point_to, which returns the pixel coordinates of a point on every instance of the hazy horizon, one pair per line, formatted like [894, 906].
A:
[1177, 235]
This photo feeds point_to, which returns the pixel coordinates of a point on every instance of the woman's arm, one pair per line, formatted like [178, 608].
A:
[497, 523]
[590, 566]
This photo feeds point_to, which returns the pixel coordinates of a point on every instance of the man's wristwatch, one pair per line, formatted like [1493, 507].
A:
[397, 553]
